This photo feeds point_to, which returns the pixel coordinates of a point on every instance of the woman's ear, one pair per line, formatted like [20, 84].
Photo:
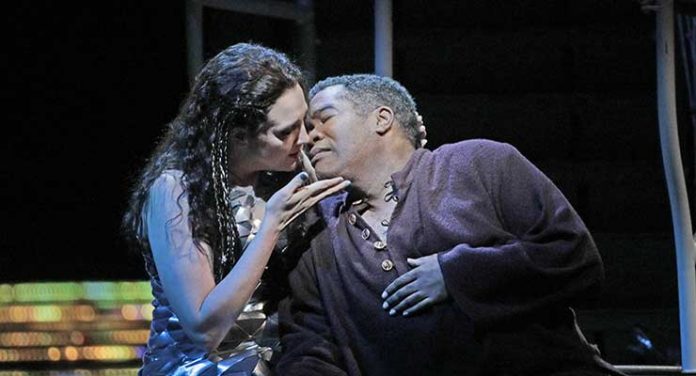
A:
[385, 119]
[239, 136]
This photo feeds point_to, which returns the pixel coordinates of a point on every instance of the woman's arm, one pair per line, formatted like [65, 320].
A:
[208, 311]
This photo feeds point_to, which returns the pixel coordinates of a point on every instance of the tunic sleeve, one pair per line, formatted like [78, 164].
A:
[545, 259]
[308, 345]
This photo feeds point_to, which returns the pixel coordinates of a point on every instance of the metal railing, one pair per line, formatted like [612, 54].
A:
[651, 370]
[676, 184]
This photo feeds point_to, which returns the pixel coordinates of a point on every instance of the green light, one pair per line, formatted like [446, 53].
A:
[134, 290]
[6, 293]
[47, 292]
[73, 291]
[99, 291]
[48, 313]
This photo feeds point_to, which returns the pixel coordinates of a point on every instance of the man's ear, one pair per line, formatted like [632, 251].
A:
[385, 119]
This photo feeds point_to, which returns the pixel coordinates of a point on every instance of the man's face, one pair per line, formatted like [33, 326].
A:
[339, 135]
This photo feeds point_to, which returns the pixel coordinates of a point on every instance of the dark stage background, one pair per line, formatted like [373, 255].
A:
[90, 85]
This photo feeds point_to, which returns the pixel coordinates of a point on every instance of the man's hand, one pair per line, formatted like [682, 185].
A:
[416, 290]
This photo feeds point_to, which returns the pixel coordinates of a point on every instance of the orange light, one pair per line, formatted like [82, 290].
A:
[85, 313]
[53, 354]
[18, 314]
[130, 336]
[129, 312]
[9, 355]
[71, 353]
[107, 353]
[146, 312]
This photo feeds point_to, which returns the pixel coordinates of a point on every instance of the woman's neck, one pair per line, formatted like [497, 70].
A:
[243, 179]
[241, 174]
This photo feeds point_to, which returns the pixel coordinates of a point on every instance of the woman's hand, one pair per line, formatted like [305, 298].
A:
[296, 197]
[422, 131]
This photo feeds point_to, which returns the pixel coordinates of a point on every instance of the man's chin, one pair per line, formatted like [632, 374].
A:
[323, 172]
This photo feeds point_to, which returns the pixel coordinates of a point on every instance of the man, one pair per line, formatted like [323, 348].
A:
[460, 261]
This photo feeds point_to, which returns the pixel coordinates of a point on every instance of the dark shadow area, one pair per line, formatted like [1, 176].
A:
[571, 84]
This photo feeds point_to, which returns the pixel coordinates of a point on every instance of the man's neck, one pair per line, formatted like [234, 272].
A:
[375, 182]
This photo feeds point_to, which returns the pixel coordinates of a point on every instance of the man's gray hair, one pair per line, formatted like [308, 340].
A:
[368, 91]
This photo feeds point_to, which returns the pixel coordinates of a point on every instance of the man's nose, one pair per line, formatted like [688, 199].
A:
[314, 135]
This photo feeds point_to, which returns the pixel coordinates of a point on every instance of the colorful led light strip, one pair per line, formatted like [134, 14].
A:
[73, 291]
[76, 338]
[65, 322]
[75, 372]
[72, 353]
[45, 313]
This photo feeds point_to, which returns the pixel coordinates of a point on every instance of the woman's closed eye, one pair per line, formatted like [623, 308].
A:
[285, 132]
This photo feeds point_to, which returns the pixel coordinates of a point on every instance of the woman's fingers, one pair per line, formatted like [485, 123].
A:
[304, 192]
[302, 206]
[319, 194]
[422, 132]
[297, 182]
[306, 197]
[307, 166]
[324, 184]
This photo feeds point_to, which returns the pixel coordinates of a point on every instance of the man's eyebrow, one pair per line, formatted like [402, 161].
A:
[327, 107]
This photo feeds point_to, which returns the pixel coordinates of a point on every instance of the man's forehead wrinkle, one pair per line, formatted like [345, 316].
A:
[337, 97]
[335, 92]
[322, 104]
[345, 93]
[317, 107]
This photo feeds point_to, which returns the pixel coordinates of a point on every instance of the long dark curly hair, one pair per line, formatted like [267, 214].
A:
[230, 98]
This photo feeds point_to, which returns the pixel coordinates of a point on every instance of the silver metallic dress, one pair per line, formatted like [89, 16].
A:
[248, 346]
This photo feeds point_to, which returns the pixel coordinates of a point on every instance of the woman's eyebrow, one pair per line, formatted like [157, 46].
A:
[295, 124]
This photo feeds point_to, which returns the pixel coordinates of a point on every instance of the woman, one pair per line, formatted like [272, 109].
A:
[196, 220]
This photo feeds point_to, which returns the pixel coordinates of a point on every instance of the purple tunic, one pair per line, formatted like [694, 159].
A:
[514, 256]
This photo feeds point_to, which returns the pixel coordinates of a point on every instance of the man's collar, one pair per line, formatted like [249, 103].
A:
[333, 205]
[402, 179]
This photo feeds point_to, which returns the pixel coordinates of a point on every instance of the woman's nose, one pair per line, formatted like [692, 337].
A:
[303, 137]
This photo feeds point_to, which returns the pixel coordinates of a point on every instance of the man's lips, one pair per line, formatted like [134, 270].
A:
[315, 152]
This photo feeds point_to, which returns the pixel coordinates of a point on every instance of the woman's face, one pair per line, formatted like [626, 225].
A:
[277, 147]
